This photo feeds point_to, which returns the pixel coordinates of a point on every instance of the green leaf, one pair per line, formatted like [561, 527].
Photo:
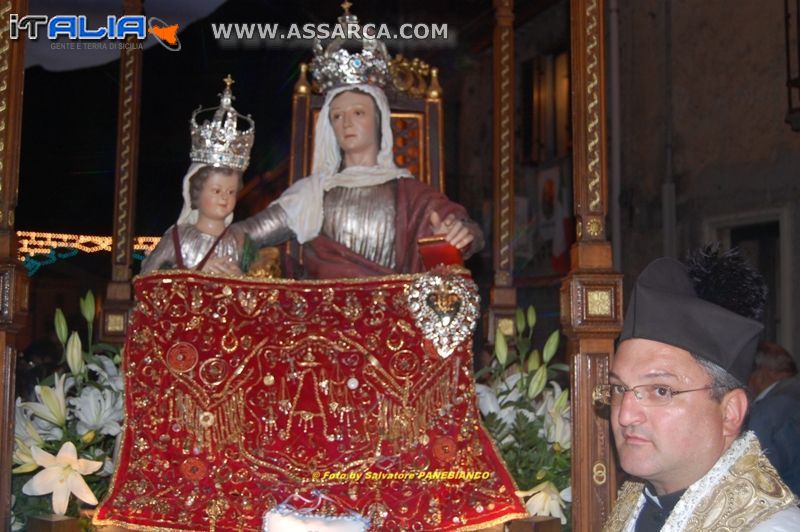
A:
[537, 382]
[560, 366]
[105, 348]
[481, 372]
[500, 347]
[531, 316]
[551, 346]
[523, 346]
[520, 319]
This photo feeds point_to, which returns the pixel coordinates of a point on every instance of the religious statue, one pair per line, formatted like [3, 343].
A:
[332, 404]
[202, 238]
[358, 214]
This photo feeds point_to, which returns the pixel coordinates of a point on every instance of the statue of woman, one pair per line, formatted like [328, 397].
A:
[358, 214]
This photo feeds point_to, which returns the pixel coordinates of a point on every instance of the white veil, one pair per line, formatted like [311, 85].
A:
[303, 200]
[188, 214]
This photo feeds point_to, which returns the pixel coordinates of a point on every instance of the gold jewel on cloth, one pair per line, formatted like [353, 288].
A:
[740, 491]
[242, 392]
[445, 308]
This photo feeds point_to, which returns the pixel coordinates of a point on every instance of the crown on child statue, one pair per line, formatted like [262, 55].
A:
[219, 141]
[336, 66]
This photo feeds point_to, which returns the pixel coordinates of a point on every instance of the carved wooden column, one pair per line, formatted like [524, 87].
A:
[118, 293]
[591, 296]
[503, 296]
[13, 279]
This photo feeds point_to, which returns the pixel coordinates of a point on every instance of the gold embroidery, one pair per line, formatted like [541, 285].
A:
[748, 494]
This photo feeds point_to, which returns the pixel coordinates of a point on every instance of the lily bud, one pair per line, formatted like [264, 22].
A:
[531, 317]
[75, 354]
[537, 382]
[87, 307]
[561, 401]
[500, 348]
[61, 326]
[520, 319]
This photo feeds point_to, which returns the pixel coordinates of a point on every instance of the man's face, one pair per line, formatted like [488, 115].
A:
[672, 445]
[353, 118]
[218, 195]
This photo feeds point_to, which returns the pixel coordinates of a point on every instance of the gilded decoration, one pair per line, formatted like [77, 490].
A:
[242, 392]
[593, 105]
[598, 302]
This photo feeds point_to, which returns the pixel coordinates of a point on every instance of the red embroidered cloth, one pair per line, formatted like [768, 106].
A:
[240, 393]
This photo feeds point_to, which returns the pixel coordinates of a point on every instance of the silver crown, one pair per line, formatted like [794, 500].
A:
[219, 141]
[335, 66]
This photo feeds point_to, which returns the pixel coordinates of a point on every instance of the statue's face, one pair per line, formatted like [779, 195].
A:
[353, 117]
[218, 195]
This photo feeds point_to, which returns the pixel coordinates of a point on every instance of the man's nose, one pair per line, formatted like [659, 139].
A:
[629, 411]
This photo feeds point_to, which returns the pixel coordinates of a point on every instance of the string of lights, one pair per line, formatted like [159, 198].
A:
[36, 249]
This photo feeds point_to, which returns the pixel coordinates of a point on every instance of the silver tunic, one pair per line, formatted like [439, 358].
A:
[194, 246]
[361, 218]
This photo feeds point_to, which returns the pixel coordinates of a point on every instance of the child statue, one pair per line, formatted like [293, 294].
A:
[203, 239]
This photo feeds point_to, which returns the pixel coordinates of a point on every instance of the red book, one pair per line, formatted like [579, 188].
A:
[435, 250]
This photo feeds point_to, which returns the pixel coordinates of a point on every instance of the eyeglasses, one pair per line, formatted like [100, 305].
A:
[645, 394]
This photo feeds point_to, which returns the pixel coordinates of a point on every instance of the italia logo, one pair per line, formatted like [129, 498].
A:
[76, 27]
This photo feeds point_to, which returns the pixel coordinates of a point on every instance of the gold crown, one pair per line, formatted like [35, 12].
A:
[336, 66]
[219, 141]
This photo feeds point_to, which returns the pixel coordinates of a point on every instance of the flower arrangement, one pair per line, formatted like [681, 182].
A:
[527, 413]
[64, 440]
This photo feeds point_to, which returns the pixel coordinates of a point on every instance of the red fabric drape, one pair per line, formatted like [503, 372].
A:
[240, 393]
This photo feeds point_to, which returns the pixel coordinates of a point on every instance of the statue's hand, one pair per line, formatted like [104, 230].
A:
[454, 231]
[224, 265]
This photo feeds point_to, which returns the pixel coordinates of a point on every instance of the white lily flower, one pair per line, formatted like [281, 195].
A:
[99, 411]
[107, 373]
[487, 400]
[47, 430]
[52, 405]
[508, 387]
[108, 463]
[23, 458]
[23, 428]
[545, 500]
[557, 428]
[61, 476]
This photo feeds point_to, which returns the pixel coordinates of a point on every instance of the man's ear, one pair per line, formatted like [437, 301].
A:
[734, 408]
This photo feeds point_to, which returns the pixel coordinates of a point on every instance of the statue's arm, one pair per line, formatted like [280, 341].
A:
[267, 228]
[162, 255]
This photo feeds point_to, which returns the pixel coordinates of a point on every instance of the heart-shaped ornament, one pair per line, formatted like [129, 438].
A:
[445, 308]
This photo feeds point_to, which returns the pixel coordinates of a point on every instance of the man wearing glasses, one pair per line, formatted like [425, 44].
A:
[678, 403]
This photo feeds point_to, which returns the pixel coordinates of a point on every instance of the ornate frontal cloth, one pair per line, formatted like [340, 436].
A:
[240, 394]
